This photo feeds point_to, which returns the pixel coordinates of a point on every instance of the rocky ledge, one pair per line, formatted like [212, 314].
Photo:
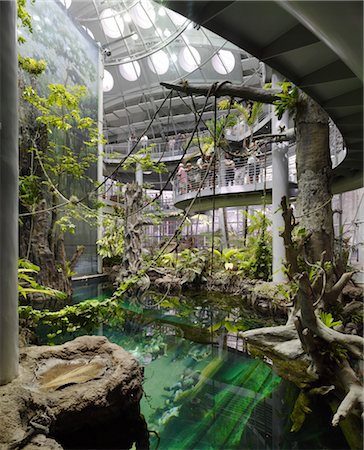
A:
[80, 395]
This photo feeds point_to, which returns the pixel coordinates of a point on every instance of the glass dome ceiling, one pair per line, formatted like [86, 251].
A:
[144, 44]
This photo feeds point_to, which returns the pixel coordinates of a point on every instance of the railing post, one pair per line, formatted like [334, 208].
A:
[279, 190]
[9, 172]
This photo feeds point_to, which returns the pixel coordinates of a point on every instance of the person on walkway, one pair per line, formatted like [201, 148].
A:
[253, 168]
[171, 144]
[229, 170]
[144, 141]
[182, 179]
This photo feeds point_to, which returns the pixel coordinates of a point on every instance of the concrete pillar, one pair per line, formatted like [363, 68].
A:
[358, 240]
[223, 228]
[279, 189]
[100, 146]
[9, 172]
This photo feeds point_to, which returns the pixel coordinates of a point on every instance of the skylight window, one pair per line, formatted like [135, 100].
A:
[223, 62]
[143, 14]
[108, 81]
[112, 23]
[66, 3]
[189, 58]
[130, 70]
[159, 62]
[176, 18]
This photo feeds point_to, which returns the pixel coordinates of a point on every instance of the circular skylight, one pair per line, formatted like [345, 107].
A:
[223, 62]
[189, 58]
[130, 70]
[159, 62]
[66, 3]
[176, 18]
[112, 23]
[143, 14]
[89, 32]
[107, 82]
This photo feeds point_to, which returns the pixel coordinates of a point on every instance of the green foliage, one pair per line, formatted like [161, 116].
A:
[24, 18]
[257, 262]
[336, 353]
[287, 99]
[28, 285]
[189, 264]
[144, 159]
[85, 315]
[229, 258]
[328, 320]
[301, 408]
[207, 142]
[111, 244]
[32, 66]
[57, 165]
[30, 190]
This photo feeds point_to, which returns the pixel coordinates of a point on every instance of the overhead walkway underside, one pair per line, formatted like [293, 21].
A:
[229, 196]
[317, 45]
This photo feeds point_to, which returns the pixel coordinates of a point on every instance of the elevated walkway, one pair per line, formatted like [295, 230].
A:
[316, 45]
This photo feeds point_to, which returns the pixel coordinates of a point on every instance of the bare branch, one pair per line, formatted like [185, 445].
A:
[335, 291]
[239, 91]
[354, 396]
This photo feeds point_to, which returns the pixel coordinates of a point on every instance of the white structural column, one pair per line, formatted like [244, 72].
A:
[9, 351]
[100, 147]
[139, 174]
[279, 189]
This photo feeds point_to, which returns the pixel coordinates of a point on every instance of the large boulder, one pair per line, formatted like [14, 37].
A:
[82, 394]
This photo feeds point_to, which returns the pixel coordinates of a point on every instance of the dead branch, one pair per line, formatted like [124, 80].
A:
[332, 295]
[354, 396]
[239, 91]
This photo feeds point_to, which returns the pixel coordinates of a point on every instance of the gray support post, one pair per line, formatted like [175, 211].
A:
[223, 228]
[279, 189]
[100, 146]
[139, 174]
[9, 172]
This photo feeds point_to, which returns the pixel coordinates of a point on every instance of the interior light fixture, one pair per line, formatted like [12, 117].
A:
[174, 57]
[135, 37]
[167, 33]
[161, 11]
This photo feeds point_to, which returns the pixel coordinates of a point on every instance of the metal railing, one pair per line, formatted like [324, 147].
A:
[233, 172]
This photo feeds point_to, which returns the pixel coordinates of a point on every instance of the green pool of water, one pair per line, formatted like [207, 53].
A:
[204, 396]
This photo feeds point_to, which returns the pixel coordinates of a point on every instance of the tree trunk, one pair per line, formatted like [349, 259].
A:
[314, 175]
[133, 202]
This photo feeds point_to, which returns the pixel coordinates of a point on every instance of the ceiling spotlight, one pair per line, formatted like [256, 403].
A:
[161, 11]
[127, 17]
[135, 37]
[166, 33]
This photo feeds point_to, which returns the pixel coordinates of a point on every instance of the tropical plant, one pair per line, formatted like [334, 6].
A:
[111, 245]
[28, 285]
[327, 319]
[86, 316]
